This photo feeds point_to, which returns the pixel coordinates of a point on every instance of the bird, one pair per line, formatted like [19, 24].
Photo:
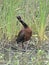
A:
[25, 33]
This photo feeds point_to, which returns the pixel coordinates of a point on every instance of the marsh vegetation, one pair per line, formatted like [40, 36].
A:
[36, 14]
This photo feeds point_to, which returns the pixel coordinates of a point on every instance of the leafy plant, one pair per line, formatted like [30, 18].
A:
[40, 19]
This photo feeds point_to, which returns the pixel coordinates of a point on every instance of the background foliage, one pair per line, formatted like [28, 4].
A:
[36, 14]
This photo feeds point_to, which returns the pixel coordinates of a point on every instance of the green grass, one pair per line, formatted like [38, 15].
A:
[40, 19]
[34, 13]
[28, 10]
[8, 17]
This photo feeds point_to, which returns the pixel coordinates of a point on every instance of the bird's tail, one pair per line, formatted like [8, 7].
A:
[22, 22]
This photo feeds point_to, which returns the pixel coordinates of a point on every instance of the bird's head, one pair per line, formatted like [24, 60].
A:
[18, 17]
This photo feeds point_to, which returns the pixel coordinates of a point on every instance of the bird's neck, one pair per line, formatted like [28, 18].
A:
[24, 24]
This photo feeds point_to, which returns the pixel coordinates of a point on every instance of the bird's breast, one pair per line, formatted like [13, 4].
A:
[28, 34]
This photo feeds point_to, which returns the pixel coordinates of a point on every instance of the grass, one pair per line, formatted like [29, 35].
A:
[34, 13]
[40, 19]
[8, 17]
[10, 9]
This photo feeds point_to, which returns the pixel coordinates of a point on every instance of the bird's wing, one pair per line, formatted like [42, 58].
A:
[20, 37]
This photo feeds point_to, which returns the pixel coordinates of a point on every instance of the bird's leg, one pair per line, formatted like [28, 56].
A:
[19, 46]
[26, 45]
[23, 48]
